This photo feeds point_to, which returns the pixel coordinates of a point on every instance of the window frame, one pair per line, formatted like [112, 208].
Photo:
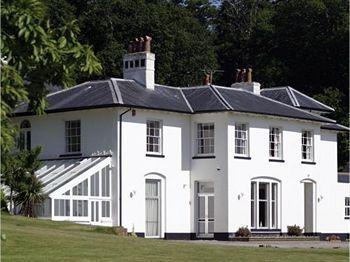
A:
[312, 151]
[280, 157]
[247, 154]
[347, 208]
[160, 137]
[272, 216]
[197, 139]
[68, 147]
[25, 136]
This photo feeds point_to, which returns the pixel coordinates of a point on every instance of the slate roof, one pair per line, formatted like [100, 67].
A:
[290, 96]
[335, 127]
[128, 93]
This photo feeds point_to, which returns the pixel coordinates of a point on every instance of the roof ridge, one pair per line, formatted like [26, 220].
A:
[292, 97]
[187, 103]
[309, 97]
[223, 100]
[117, 90]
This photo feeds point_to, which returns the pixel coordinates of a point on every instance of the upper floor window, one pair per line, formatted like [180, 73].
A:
[347, 208]
[205, 139]
[241, 140]
[275, 142]
[154, 137]
[307, 145]
[24, 141]
[73, 136]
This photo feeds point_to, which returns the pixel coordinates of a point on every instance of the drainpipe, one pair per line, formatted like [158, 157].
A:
[120, 165]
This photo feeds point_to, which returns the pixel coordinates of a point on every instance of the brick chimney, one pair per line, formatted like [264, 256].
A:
[244, 80]
[138, 63]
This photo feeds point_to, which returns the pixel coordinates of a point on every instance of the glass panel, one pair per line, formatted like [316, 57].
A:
[263, 191]
[262, 214]
[201, 227]
[211, 207]
[56, 208]
[211, 227]
[151, 189]
[273, 214]
[201, 207]
[67, 208]
[152, 217]
[205, 187]
[92, 211]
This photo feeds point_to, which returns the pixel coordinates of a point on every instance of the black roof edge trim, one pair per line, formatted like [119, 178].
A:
[315, 109]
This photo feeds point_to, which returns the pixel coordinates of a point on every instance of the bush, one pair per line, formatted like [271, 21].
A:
[294, 230]
[333, 238]
[243, 232]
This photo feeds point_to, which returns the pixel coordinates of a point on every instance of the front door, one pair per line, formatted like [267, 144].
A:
[153, 212]
[308, 207]
[95, 215]
[205, 211]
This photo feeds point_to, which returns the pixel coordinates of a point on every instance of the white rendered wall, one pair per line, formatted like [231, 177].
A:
[211, 170]
[173, 170]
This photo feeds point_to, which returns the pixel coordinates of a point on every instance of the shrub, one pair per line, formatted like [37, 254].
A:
[332, 238]
[294, 230]
[243, 232]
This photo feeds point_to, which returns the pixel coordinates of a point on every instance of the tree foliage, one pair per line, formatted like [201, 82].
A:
[36, 55]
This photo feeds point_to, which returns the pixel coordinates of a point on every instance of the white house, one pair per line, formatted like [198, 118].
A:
[187, 162]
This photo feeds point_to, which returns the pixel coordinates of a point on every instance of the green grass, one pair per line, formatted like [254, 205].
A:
[39, 240]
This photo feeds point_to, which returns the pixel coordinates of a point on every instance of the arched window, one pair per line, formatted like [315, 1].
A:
[24, 142]
[265, 203]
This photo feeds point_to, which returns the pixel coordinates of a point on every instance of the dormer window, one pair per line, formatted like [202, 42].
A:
[24, 142]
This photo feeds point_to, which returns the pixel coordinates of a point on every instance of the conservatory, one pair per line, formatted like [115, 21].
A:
[78, 190]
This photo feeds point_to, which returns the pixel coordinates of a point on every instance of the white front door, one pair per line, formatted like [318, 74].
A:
[205, 209]
[95, 215]
[153, 212]
[308, 207]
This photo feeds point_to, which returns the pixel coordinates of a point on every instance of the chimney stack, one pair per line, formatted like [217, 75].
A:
[138, 63]
[244, 81]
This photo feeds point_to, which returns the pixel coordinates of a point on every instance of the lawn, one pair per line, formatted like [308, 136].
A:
[38, 240]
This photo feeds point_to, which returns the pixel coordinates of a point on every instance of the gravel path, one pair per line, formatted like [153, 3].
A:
[273, 244]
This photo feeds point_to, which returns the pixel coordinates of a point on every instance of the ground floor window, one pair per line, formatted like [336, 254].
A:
[106, 209]
[62, 207]
[264, 204]
[347, 207]
[80, 208]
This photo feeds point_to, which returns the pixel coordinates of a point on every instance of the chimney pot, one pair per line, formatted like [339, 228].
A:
[148, 40]
[238, 75]
[141, 44]
[206, 79]
[243, 75]
[130, 47]
[249, 75]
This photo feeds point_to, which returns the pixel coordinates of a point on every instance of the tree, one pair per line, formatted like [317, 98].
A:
[36, 55]
[183, 45]
[18, 174]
